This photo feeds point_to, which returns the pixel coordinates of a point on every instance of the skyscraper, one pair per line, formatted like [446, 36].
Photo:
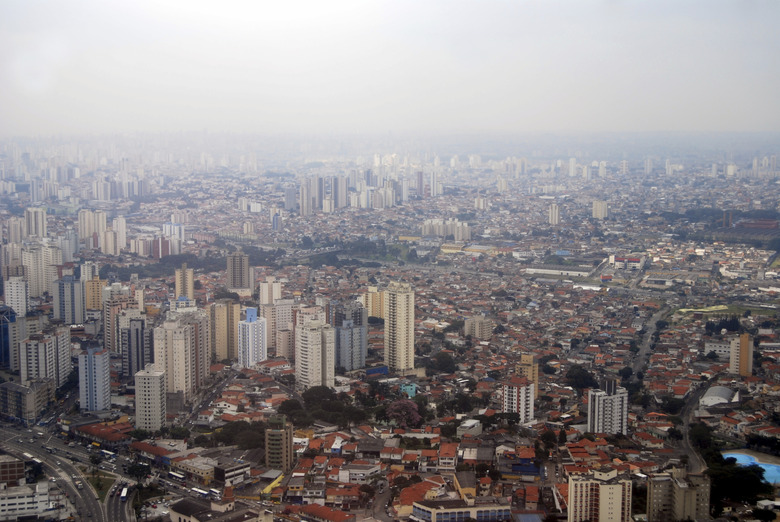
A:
[674, 495]
[270, 291]
[608, 409]
[239, 275]
[741, 356]
[174, 354]
[150, 399]
[399, 327]
[46, 356]
[41, 260]
[314, 355]
[95, 380]
[600, 210]
[68, 300]
[185, 282]
[252, 335]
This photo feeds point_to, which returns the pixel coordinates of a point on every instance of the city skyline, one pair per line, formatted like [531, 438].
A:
[344, 67]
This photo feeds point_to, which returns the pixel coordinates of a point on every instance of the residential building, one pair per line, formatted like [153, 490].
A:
[270, 291]
[399, 327]
[239, 274]
[68, 300]
[26, 402]
[136, 346]
[17, 294]
[279, 450]
[478, 327]
[351, 323]
[174, 354]
[7, 337]
[225, 314]
[600, 210]
[95, 380]
[518, 397]
[184, 282]
[35, 222]
[314, 355]
[674, 495]
[46, 356]
[600, 496]
[741, 356]
[150, 399]
[529, 369]
[554, 214]
[252, 335]
[608, 409]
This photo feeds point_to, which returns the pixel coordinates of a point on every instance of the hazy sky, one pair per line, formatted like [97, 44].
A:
[433, 66]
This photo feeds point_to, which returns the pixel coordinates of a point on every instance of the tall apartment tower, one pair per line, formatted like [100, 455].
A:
[112, 309]
[608, 409]
[119, 225]
[68, 300]
[351, 323]
[270, 291]
[673, 495]
[17, 294]
[399, 327]
[529, 369]
[239, 275]
[35, 222]
[554, 215]
[600, 496]
[252, 335]
[46, 356]
[225, 314]
[315, 353]
[7, 337]
[93, 293]
[198, 321]
[136, 346]
[174, 354]
[741, 356]
[518, 397]
[41, 260]
[279, 450]
[185, 282]
[150, 399]
[95, 380]
[600, 210]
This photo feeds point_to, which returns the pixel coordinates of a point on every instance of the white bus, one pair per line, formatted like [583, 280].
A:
[200, 492]
[123, 496]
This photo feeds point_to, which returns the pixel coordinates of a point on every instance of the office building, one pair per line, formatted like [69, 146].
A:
[252, 335]
[608, 409]
[150, 399]
[17, 294]
[399, 327]
[95, 380]
[315, 355]
[674, 495]
[741, 356]
[68, 300]
[518, 397]
[279, 450]
[184, 282]
[7, 337]
[554, 215]
[600, 496]
[225, 314]
[35, 222]
[239, 274]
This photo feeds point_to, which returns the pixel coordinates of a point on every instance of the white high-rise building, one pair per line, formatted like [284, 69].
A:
[602, 496]
[68, 300]
[95, 380]
[17, 295]
[150, 399]
[174, 353]
[35, 222]
[600, 210]
[554, 215]
[315, 355]
[252, 339]
[270, 291]
[608, 409]
[518, 395]
[119, 225]
[399, 326]
[41, 260]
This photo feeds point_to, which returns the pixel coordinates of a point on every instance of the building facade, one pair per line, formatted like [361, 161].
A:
[95, 380]
[399, 327]
[608, 409]
[150, 399]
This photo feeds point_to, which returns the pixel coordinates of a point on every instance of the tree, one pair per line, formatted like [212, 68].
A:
[580, 378]
[548, 438]
[138, 471]
[405, 413]
[626, 372]
[562, 437]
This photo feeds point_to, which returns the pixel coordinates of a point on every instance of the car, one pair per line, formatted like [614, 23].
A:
[154, 506]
